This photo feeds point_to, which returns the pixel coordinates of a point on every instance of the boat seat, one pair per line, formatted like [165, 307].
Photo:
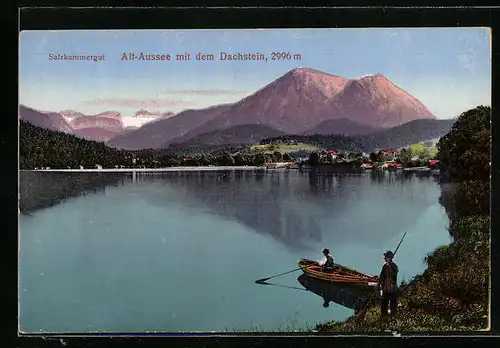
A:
[329, 269]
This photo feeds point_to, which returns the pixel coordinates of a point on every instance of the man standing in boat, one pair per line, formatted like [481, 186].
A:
[327, 262]
[388, 284]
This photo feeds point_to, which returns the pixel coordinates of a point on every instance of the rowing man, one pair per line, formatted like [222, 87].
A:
[327, 261]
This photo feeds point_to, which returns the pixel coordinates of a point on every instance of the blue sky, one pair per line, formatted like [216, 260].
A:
[447, 69]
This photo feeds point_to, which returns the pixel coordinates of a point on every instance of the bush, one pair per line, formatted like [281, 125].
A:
[441, 258]
[474, 227]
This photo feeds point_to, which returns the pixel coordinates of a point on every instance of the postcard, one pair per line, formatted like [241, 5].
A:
[254, 180]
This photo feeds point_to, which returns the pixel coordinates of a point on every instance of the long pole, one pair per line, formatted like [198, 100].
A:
[263, 280]
[372, 296]
[401, 241]
[277, 275]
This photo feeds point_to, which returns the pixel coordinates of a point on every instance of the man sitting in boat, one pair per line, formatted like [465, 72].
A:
[327, 262]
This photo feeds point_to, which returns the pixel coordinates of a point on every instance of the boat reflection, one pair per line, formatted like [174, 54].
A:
[349, 296]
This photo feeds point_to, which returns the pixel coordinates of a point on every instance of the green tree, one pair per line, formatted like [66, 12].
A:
[259, 159]
[313, 159]
[240, 160]
[374, 157]
[381, 156]
[405, 156]
[352, 156]
[203, 160]
[464, 153]
[420, 150]
[226, 159]
[277, 156]
[287, 158]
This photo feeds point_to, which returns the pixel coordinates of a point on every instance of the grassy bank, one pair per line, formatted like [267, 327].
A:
[291, 326]
[284, 148]
[453, 292]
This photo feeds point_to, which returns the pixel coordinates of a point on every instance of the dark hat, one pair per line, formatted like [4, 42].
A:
[389, 254]
[326, 251]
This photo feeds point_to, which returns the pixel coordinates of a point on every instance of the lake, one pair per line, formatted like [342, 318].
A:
[180, 251]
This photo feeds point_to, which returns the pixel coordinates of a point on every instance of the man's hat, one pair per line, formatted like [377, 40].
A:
[326, 251]
[389, 254]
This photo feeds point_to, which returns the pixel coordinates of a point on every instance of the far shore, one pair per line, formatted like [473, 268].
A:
[201, 168]
[167, 169]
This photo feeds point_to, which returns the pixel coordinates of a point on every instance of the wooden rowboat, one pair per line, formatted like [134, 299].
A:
[339, 274]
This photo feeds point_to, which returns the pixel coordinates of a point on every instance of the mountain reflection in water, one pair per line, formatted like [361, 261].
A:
[297, 208]
[300, 209]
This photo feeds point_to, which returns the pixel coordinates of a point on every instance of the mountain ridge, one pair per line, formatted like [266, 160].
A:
[304, 97]
[294, 103]
[409, 133]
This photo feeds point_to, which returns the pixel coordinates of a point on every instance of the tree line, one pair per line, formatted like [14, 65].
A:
[42, 148]
[464, 265]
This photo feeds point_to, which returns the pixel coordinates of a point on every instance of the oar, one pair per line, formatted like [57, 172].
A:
[284, 286]
[263, 280]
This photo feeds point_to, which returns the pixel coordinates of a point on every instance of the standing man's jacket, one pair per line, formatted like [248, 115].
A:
[388, 277]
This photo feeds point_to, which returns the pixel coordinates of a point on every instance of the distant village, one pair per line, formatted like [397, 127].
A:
[416, 157]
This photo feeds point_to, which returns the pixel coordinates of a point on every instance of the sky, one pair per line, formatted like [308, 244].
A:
[447, 69]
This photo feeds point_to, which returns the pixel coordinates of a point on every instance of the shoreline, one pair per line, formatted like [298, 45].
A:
[215, 168]
[132, 170]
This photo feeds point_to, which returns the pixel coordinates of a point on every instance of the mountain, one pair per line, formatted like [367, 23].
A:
[409, 133]
[374, 100]
[243, 134]
[70, 113]
[304, 98]
[396, 137]
[301, 100]
[100, 127]
[97, 133]
[145, 113]
[156, 134]
[50, 120]
[109, 120]
[341, 126]
[291, 104]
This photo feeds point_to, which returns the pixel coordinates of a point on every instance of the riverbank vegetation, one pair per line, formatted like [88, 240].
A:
[453, 292]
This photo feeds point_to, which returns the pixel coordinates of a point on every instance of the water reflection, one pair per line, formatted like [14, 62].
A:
[297, 208]
[300, 208]
[38, 190]
[344, 295]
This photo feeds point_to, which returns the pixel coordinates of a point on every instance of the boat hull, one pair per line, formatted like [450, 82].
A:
[339, 274]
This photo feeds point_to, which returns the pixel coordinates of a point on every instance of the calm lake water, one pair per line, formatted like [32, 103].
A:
[181, 251]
